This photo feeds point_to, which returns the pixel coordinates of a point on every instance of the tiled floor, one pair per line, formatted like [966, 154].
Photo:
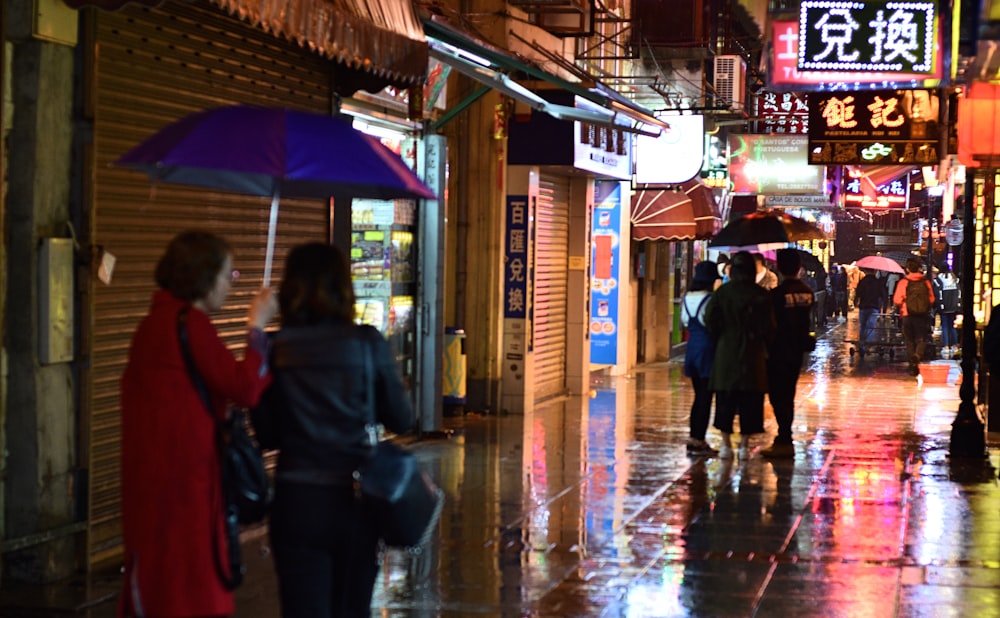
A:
[591, 507]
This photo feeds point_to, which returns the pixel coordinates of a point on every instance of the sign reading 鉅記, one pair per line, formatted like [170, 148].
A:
[840, 35]
[898, 127]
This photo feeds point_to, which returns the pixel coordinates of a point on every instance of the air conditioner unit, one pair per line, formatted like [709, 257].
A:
[730, 82]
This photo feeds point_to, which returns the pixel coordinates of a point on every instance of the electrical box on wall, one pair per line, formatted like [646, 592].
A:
[55, 300]
[55, 22]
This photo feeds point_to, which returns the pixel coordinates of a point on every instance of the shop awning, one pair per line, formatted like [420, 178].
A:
[683, 212]
[493, 67]
[381, 37]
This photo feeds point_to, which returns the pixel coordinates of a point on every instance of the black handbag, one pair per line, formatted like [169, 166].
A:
[246, 487]
[404, 501]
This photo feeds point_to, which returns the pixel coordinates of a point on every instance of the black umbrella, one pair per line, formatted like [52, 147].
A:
[810, 262]
[761, 231]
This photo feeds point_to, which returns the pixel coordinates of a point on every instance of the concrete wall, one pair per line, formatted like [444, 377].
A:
[40, 407]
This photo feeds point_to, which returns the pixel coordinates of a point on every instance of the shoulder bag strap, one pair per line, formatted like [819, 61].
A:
[234, 577]
[697, 312]
[372, 426]
[199, 384]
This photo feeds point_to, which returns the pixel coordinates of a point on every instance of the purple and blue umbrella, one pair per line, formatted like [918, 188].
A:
[275, 152]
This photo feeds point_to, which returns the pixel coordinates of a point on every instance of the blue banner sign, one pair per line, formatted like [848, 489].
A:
[604, 282]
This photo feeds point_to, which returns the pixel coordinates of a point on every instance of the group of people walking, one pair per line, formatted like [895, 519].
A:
[734, 354]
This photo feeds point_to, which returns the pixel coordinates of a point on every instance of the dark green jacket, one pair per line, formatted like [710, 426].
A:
[740, 316]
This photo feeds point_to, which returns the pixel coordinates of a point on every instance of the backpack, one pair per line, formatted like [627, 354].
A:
[918, 298]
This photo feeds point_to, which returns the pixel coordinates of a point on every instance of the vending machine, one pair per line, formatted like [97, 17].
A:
[383, 267]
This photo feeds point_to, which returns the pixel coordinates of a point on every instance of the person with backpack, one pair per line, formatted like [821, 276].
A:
[915, 298]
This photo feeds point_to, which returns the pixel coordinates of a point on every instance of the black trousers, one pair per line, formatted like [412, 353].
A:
[782, 379]
[701, 409]
[748, 404]
[915, 331]
[325, 551]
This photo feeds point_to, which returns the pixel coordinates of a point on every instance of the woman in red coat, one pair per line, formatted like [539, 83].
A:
[171, 486]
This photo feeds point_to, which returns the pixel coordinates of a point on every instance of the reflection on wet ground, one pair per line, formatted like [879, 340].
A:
[591, 507]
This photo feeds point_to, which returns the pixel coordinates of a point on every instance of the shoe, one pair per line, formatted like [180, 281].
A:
[779, 450]
[700, 447]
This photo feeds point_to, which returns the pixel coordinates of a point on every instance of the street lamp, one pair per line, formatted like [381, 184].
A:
[968, 434]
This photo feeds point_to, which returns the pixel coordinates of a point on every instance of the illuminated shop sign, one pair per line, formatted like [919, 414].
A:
[893, 194]
[866, 36]
[772, 165]
[874, 127]
[782, 112]
[784, 74]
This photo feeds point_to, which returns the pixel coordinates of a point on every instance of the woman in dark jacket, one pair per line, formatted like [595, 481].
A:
[741, 318]
[325, 367]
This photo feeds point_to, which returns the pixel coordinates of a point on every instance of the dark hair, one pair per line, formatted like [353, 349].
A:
[742, 267]
[789, 262]
[316, 286]
[913, 265]
[191, 263]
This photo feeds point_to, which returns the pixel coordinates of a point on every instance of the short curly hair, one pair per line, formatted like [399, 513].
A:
[191, 263]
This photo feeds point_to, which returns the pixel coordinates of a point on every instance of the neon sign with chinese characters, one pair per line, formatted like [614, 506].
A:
[874, 126]
[896, 37]
[783, 72]
[893, 194]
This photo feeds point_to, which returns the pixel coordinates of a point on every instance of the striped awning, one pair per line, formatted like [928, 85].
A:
[381, 37]
[682, 212]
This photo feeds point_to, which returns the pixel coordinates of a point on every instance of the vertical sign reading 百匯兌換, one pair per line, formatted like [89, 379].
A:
[516, 264]
[604, 273]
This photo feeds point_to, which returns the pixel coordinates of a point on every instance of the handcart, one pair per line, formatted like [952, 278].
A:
[886, 338]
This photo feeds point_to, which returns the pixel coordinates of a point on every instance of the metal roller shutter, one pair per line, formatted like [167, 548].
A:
[551, 285]
[151, 67]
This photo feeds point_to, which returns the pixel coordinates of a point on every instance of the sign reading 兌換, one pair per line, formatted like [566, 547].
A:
[840, 35]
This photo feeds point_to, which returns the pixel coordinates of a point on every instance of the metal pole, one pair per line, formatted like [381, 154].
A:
[968, 433]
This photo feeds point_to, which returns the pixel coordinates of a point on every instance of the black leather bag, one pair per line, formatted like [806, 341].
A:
[246, 487]
[405, 502]
[244, 478]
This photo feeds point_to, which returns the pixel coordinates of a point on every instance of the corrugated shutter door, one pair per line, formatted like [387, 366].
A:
[154, 66]
[551, 285]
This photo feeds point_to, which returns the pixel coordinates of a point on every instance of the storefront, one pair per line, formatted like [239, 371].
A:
[564, 186]
[146, 67]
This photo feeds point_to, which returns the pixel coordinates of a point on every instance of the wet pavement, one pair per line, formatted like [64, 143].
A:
[591, 507]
